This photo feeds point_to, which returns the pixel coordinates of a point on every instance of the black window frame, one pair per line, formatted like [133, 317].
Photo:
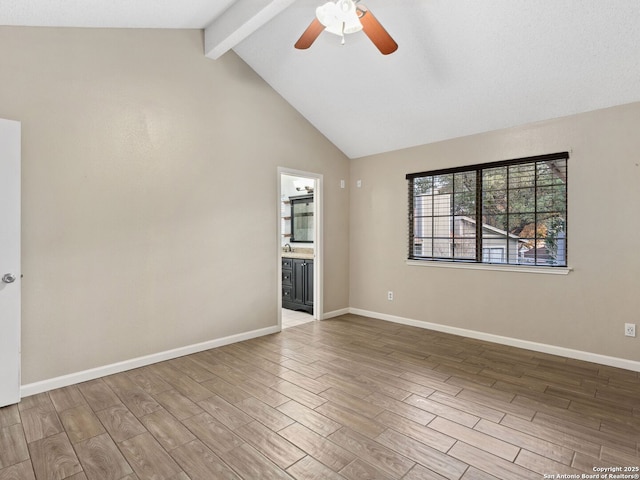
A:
[479, 249]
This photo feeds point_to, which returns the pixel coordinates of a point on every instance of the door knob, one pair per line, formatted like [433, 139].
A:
[8, 278]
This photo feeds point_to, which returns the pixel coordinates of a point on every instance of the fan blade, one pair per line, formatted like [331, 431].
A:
[376, 32]
[310, 34]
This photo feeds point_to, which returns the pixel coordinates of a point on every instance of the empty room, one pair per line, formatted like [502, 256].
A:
[300, 239]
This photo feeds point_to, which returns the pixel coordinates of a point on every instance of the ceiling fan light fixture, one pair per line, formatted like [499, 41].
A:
[327, 14]
[339, 17]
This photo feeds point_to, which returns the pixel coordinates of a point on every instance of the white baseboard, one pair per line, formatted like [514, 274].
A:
[91, 374]
[513, 342]
[335, 313]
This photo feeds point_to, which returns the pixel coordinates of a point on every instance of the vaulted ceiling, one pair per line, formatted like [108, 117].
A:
[462, 66]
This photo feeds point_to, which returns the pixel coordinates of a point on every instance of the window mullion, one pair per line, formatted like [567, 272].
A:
[535, 213]
[452, 217]
[433, 218]
[508, 210]
[479, 215]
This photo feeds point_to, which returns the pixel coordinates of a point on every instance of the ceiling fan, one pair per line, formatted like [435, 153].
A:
[342, 17]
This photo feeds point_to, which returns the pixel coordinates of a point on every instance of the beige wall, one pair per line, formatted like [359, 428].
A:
[585, 310]
[149, 197]
[150, 211]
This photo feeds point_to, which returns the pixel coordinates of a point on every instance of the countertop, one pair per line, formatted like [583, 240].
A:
[306, 253]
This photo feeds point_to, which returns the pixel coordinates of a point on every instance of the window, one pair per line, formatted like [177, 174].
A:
[512, 212]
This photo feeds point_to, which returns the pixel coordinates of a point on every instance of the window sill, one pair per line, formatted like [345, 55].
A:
[491, 266]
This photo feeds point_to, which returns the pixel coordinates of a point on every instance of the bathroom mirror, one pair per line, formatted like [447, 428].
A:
[302, 218]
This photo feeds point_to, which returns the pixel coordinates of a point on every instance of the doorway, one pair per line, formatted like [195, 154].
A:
[10, 262]
[299, 246]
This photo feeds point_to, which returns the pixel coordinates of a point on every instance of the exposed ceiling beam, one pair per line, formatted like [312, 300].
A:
[239, 21]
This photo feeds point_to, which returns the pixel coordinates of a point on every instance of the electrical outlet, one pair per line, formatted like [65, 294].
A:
[389, 295]
[630, 329]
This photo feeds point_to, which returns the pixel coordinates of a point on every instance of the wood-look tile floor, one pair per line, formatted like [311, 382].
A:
[348, 398]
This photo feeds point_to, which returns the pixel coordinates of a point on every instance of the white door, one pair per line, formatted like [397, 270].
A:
[9, 262]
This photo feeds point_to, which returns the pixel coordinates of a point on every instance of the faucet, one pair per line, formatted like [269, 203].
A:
[287, 247]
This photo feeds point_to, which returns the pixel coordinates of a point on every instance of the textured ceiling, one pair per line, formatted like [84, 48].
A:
[462, 67]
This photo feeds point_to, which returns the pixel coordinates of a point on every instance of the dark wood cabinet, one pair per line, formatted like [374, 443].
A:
[297, 284]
